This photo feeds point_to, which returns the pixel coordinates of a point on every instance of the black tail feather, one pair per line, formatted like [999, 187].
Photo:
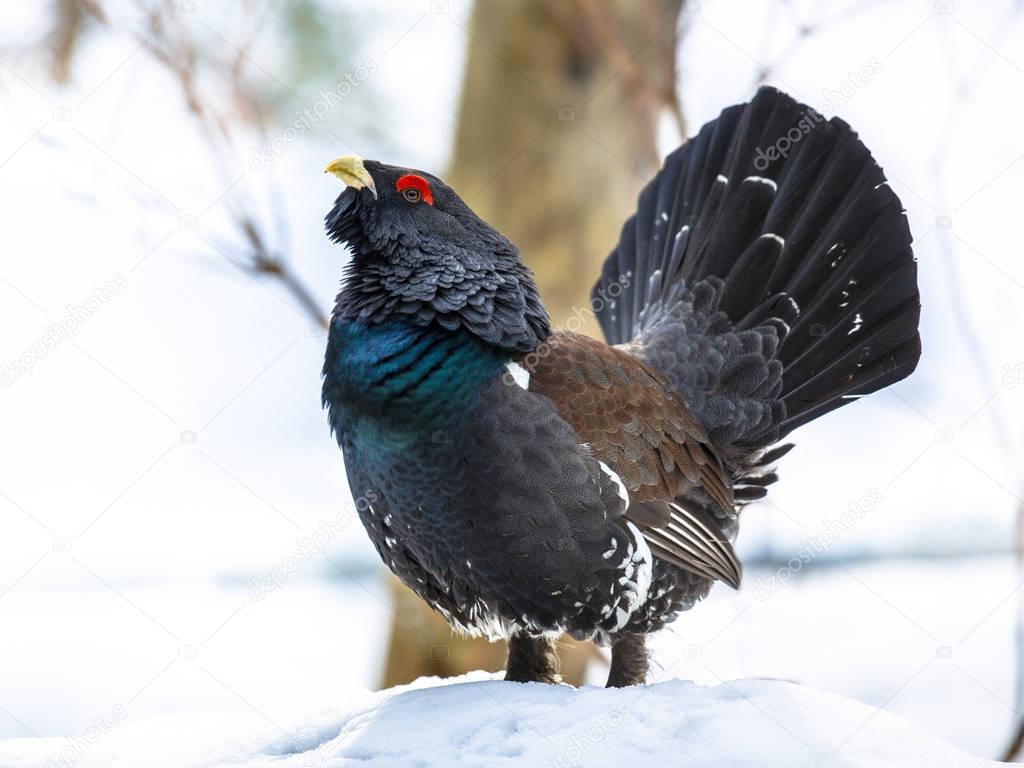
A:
[767, 272]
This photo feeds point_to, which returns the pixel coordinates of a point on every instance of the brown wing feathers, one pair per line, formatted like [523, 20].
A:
[630, 420]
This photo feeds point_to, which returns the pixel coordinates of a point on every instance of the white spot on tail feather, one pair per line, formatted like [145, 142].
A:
[762, 180]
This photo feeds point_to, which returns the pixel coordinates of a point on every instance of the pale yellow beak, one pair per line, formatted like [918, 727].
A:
[352, 172]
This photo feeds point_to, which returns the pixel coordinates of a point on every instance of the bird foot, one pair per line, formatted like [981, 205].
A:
[532, 660]
[629, 661]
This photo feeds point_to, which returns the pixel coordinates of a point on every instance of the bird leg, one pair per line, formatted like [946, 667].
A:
[532, 659]
[629, 661]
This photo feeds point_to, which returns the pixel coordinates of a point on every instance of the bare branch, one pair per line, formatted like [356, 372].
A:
[163, 36]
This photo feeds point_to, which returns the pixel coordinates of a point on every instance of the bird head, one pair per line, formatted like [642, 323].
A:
[420, 254]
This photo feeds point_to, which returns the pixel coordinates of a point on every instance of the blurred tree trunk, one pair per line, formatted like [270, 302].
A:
[557, 127]
[556, 136]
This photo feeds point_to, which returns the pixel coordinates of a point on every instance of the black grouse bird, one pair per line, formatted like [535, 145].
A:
[527, 482]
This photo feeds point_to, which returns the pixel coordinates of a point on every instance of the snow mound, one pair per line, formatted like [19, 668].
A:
[475, 720]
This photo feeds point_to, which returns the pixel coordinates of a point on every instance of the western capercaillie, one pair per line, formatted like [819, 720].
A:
[527, 482]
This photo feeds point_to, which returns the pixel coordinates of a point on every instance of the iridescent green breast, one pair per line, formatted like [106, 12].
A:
[392, 382]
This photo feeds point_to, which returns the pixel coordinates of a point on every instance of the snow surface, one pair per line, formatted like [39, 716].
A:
[475, 720]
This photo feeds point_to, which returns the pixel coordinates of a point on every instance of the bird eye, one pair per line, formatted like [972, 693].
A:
[415, 188]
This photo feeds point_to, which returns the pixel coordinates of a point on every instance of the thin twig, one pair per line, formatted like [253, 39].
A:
[169, 44]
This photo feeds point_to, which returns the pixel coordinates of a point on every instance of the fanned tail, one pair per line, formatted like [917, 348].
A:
[768, 273]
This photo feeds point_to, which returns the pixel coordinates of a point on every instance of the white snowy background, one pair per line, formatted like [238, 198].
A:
[174, 448]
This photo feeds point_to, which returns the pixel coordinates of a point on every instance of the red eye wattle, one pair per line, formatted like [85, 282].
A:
[415, 188]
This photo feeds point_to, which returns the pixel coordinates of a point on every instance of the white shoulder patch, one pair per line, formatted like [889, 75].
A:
[519, 375]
